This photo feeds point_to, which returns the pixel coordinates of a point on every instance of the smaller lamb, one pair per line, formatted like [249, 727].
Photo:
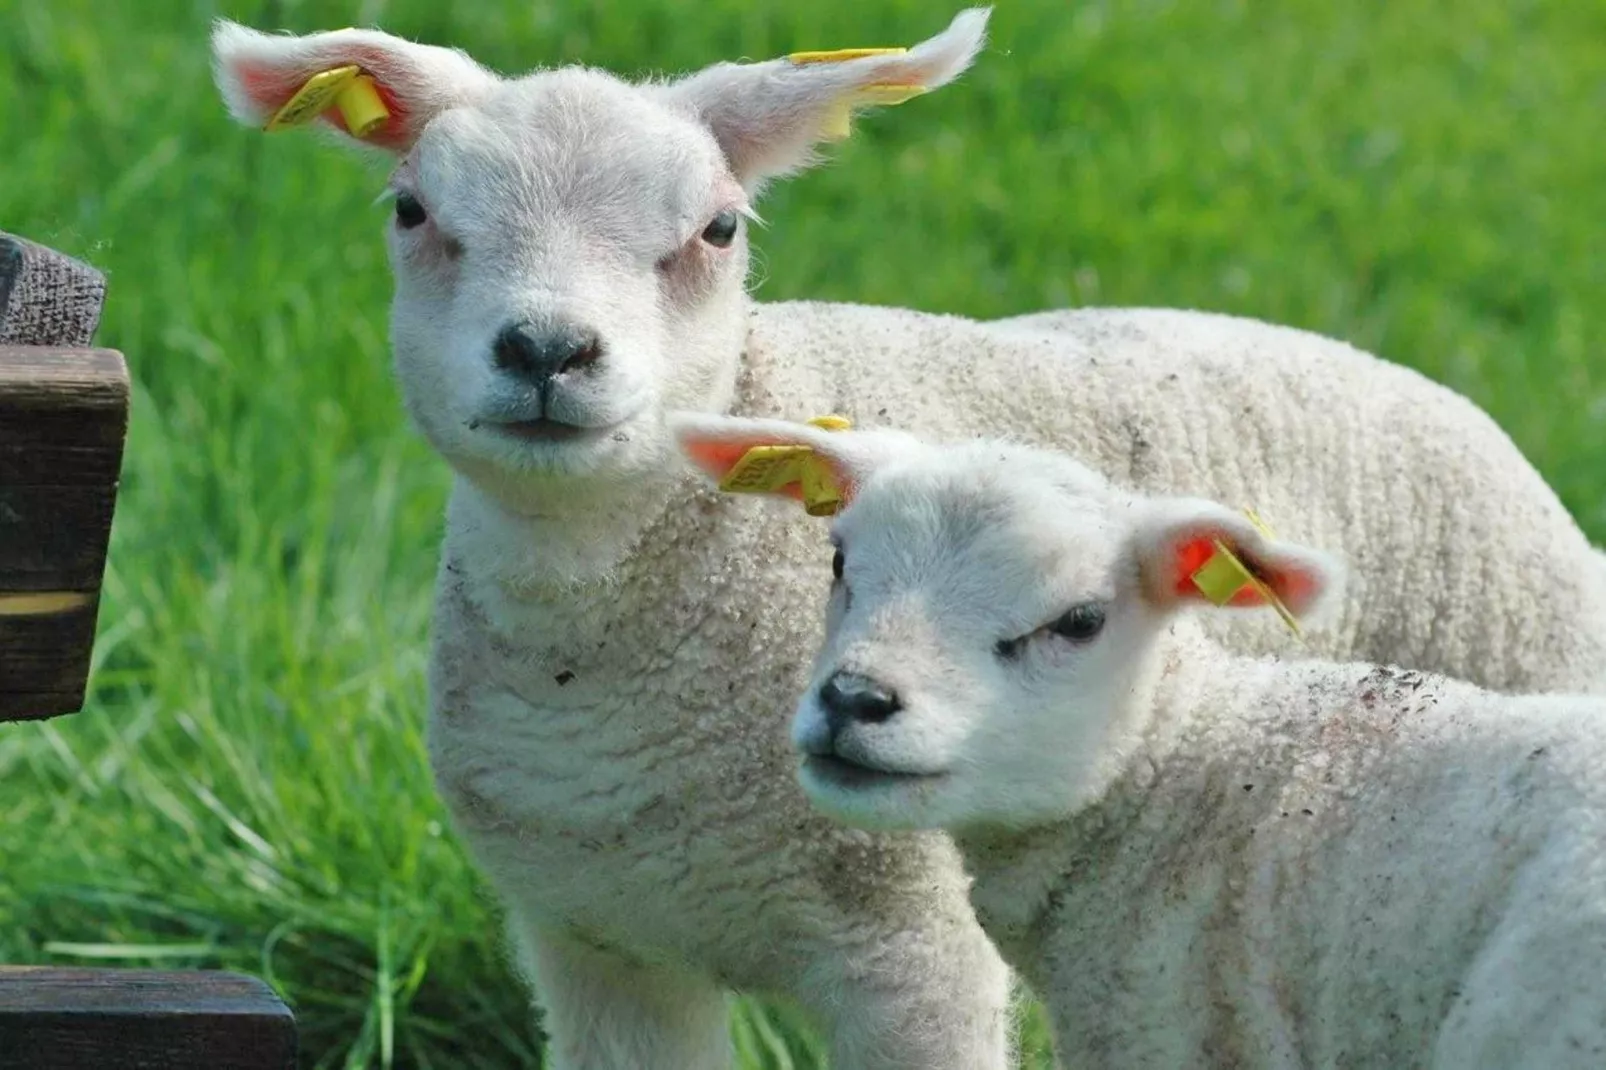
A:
[1194, 858]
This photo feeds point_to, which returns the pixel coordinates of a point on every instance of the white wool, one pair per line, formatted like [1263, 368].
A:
[1198, 858]
[616, 648]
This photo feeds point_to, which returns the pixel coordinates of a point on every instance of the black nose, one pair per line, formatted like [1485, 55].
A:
[850, 697]
[538, 354]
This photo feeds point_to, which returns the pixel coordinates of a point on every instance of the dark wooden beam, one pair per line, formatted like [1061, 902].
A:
[65, 1019]
[63, 415]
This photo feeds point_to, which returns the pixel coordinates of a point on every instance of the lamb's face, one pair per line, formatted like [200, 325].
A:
[569, 257]
[984, 627]
[569, 248]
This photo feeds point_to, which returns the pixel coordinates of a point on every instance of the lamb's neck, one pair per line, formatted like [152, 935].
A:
[1194, 692]
[535, 555]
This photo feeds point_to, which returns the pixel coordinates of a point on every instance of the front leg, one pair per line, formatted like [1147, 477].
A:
[931, 996]
[604, 1013]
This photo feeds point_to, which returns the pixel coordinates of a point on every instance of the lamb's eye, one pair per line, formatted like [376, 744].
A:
[721, 231]
[1080, 623]
[409, 213]
[837, 561]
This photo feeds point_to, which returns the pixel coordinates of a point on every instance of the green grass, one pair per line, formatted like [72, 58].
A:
[249, 788]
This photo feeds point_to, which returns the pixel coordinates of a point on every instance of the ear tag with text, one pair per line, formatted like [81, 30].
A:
[774, 469]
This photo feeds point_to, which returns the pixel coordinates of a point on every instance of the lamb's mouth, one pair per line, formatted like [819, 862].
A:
[840, 772]
[545, 430]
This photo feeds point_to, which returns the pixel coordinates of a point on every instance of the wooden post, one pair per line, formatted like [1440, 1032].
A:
[52, 1019]
[63, 416]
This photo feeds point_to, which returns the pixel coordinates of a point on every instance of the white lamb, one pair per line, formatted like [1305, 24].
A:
[1197, 859]
[616, 646]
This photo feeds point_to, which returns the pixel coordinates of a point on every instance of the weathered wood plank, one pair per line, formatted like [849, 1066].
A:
[63, 415]
[69, 1019]
[46, 298]
[53, 538]
[44, 659]
[63, 377]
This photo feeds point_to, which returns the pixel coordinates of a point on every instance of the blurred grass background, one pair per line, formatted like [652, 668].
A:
[249, 789]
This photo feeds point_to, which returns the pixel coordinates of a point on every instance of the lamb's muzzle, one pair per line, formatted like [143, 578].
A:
[835, 732]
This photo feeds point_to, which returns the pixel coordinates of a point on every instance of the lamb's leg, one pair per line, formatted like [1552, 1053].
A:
[603, 1013]
[933, 997]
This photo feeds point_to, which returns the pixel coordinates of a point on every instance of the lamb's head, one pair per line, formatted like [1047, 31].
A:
[994, 621]
[570, 248]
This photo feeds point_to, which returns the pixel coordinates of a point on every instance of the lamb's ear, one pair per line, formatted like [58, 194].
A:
[767, 117]
[820, 467]
[1178, 543]
[399, 86]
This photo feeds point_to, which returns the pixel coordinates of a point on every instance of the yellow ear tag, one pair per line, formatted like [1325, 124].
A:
[770, 469]
[838, 123]
[1221, 577]
[361, 107]
[346, 88]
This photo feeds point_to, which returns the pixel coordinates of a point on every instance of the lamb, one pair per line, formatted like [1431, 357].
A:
[1195, 858]
[616, 647]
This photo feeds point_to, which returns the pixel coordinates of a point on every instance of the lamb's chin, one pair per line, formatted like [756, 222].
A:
[560, 451]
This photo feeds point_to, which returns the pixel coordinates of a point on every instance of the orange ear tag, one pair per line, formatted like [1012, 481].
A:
[838, 123]
[772, 469]
[346, 88]
[1223, 576]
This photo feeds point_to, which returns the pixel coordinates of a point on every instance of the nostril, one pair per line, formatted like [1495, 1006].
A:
[857, 698]
[516, 350]
[587, 349]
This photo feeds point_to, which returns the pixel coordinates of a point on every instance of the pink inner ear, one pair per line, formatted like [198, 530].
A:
[1295, 588]
[1190, 558]
[268, 87]
[716, 456]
